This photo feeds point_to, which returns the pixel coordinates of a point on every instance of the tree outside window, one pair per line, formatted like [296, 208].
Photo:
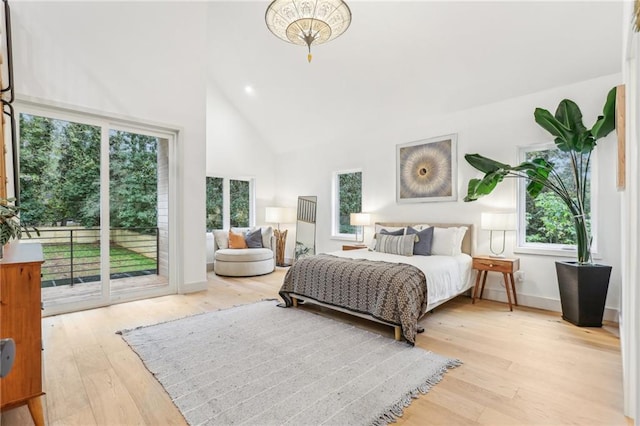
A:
[214, 203]
[348, 200]
[547, 220]
[240, 201]
[239, 198]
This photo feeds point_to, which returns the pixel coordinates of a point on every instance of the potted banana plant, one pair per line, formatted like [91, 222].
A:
[583, 284]
[10, 226]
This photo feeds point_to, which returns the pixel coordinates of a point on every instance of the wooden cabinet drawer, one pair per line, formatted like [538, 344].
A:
[496, 264]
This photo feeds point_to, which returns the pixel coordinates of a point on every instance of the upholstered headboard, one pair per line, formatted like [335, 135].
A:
[467, 241]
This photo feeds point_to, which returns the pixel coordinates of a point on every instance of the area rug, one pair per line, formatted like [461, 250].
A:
[260, 364]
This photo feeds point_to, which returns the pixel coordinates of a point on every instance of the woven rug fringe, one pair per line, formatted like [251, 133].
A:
[391, 413]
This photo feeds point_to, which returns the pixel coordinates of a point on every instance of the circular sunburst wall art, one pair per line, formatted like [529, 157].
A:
[426, 170]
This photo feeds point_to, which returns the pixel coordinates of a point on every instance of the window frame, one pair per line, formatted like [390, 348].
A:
[226, 199]
[107, 122]
[548, 249]
[335, 205]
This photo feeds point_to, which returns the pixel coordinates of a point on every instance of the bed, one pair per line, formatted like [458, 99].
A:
[383, 286]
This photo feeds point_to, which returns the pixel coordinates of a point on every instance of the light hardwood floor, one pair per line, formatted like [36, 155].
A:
[520, 368]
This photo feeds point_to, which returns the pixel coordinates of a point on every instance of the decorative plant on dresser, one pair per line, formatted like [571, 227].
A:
[10, 226]
[583, 284]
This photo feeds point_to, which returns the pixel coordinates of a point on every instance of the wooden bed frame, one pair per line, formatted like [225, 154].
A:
[467, 246]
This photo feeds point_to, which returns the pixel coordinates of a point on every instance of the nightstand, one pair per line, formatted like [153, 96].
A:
[353, 246]
[486, 264]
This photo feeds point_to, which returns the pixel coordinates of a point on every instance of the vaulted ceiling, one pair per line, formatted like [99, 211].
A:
[432, 57]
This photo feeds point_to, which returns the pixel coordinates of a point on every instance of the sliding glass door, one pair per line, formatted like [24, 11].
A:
[99, 193]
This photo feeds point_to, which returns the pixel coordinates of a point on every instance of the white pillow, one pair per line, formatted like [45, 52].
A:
[372, 245]
[222, 238]
[267, 233]
[448, 241]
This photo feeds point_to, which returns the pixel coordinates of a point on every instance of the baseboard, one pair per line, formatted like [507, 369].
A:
[548, 304]
[192, 287]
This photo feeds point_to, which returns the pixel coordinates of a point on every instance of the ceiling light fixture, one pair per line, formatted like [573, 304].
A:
[307, 22]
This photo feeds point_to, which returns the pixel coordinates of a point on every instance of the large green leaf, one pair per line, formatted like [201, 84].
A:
[551, 124]
[607, 121]
[569, 114]
[538, 176]
[480, 187]
[484, 164]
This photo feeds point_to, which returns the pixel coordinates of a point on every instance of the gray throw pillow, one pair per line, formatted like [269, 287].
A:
[396, 232]
[395, 244]
[254, 238]
[423, 242]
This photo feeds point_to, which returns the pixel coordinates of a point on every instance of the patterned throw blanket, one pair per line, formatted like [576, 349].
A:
[392, 292]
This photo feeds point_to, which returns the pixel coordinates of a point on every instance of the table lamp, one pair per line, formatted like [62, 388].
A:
[360, 220]
[492, 221]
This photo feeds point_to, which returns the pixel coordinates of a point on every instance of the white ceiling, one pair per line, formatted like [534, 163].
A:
[432, 57]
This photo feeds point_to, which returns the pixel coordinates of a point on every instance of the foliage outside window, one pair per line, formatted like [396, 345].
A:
[239, 196]
[133, 168]
[347, 200]
[60, 174]
[547, 221]
[214, 203]
[239, 199]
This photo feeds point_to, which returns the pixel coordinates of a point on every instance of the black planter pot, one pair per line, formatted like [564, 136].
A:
[583, 292]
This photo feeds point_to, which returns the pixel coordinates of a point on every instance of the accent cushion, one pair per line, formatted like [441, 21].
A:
[254, 238]
[388, 229]
[267, 233]
[394, 232]
[236, 241]
[423, 242]
[244, 255]
[395, 244]
[222, 238]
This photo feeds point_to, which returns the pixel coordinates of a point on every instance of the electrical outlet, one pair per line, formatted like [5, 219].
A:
[519, 276]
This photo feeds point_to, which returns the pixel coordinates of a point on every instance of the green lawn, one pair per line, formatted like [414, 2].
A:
[86, 261]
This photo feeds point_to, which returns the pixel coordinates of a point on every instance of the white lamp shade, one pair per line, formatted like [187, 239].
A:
[360, 219]
[491, 221]
[280, 215]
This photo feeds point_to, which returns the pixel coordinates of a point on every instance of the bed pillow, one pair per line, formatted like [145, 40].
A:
[236, 241]
[394, 232]
[423, 242]
[254, 238]
[222, 238]
[397, 230]
[395, 244]
[448, 241]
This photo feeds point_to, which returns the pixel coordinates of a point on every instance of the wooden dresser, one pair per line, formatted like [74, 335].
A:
[21, 320]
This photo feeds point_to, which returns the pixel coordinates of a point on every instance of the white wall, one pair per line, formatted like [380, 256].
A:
[235, 149]
[494, 130]
[630, 218]
[143, 60]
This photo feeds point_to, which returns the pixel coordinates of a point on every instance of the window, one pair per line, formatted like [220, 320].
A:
[240, 200]
[347, 199]
[99, 191]
[214, 203]
[230, 203]
[545, 222]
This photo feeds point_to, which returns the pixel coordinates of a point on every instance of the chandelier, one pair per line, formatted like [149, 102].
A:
[308, 22]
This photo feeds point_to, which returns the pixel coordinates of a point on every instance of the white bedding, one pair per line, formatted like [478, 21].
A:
[447, 276]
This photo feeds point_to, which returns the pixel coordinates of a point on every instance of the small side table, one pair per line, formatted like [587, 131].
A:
[353, 246]
[486, 264]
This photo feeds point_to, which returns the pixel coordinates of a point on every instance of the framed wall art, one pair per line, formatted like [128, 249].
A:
[426, 170]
